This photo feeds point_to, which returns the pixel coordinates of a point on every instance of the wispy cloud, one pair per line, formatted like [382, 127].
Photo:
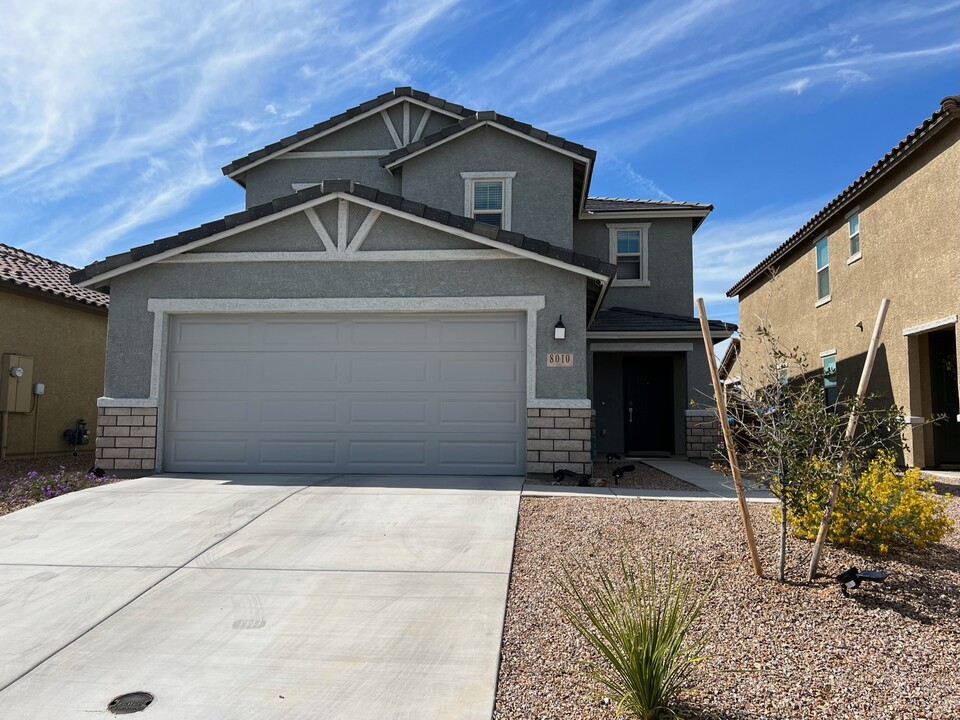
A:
[796, 86]
[726, 250]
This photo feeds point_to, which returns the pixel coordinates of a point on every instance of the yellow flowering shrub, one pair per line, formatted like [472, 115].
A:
[881, 508]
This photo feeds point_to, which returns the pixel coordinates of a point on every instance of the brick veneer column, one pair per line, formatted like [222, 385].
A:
[127, 438]
[704, 437]
[558, 438]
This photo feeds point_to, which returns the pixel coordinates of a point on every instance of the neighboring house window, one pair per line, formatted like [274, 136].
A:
[854, 227]
[783, 374]
[628, 251]
[487, 197]
[830, 390]
[823, 271]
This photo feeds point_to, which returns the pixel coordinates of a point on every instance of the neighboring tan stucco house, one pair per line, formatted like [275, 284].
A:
[894, 233]
[391, 301]
[55, 333]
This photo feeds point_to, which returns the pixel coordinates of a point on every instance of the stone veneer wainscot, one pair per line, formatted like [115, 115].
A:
[558, 438]
[127, 438]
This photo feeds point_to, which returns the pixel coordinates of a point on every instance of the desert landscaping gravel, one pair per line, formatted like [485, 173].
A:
[791, 650]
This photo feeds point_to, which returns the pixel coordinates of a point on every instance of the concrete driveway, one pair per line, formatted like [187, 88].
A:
[258, 597]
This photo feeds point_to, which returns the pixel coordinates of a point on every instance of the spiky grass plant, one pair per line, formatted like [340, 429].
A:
[640, 620]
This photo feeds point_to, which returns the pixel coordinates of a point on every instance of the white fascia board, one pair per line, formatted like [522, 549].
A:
[932, 325]
[345, 123]
[519, 252]
[643, 214]
[129, 267]
[481, 239]
[485, 123]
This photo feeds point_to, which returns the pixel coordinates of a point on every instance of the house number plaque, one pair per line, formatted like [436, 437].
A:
[559, 359]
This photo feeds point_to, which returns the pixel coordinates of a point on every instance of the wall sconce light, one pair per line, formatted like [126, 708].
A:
[559, 331]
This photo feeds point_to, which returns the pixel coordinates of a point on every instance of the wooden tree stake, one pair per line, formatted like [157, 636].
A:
[728, 438]
[851, 432]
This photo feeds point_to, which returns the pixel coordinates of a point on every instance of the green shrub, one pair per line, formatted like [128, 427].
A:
[880, 509]
[640, 622]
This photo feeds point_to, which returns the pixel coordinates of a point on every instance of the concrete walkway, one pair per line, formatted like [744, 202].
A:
[258, 597]
[717, 486]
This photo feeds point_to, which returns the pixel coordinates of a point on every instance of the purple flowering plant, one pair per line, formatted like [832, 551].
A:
[36, 486]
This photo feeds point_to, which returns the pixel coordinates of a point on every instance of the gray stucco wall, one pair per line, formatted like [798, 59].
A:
[669, 263]
[275, 179]
[542, 189]
[130, 331]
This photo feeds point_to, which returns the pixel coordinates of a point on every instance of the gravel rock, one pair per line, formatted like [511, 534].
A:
[642, 476]
[792, 650]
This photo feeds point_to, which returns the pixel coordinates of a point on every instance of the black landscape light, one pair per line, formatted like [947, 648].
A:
[562, 473]
[852, 578]
[611, 457]
[619, 472]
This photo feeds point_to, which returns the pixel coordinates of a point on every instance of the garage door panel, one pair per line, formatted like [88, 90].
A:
[481, 411]
[480, 334]
[424, 394]
[393, 334]
[221, 334]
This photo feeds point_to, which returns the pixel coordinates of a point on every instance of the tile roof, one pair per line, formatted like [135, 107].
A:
[302, 197]
[607, 204]
[486, 116]
[307, 133]
[19, 267]
[949, 110]
[628, 320]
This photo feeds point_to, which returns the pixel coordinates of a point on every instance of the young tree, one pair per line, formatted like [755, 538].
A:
[783, 420]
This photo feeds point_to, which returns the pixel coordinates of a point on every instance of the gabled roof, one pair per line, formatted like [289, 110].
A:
[636, 207]
[619, 320]
[949, 111]
[488, 117]
[308, 197]
[583, 157]
[729, 358]
[306, 135]
[26, 270]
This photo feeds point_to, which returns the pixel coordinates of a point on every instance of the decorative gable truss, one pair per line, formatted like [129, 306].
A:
[340, 245]
[406, 120]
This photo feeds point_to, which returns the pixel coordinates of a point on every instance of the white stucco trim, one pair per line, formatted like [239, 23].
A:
[332, 154]
[163, 308]
[493, 124]
[421, 127]
[504, 176]
[349, 256]
[932, 325]
[644, 230]
[340, 126]
[126, 402]
[303, 207]
[558, 403]
[318, 228]
[641, 347]
[828, 353]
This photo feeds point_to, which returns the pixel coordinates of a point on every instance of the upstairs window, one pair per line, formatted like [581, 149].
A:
[853, 225]
[628, 251]
[487, 197]
[830, 389]
[823, 271]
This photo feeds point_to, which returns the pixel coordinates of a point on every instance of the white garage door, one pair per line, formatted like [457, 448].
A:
[437, 394]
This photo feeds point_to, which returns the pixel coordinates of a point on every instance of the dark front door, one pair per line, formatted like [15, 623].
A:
[943, 396]
[648, 403]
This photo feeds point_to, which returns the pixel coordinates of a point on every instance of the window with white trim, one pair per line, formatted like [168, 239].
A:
[830, 389]
[823, 270]
[628, 251]
[487, 197]
[853, 226]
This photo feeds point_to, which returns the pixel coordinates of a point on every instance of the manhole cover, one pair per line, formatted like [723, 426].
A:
[130, 703]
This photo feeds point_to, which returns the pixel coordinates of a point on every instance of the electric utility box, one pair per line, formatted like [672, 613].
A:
[16, 381]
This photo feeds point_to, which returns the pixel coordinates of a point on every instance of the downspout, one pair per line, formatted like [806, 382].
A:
[3, 435]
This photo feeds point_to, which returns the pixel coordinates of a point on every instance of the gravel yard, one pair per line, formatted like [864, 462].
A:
[778, 651]
[14, 472]
[642, 476]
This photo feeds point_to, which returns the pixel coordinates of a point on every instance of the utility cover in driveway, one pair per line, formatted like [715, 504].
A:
[404, 394]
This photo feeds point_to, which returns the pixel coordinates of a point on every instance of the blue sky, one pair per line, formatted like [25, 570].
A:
[116, 116]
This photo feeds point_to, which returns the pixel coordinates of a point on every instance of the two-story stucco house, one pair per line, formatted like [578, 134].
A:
[894, 233]
[414, 287]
